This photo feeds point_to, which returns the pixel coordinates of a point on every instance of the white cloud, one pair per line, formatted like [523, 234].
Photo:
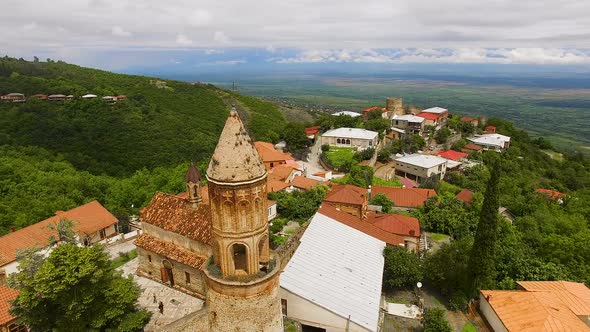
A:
[230, 62]
[221, 37]
[120, 32]
[30, 26]
[200, 17]
[183, 40]
[211, 51]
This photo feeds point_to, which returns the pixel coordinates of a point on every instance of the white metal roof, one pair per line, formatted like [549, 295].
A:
[339, 268]
[398, 130]
[435, 110]
[89, 96]
[453, 164]
[349, 113]
[351, 133]
[409, 118]
[422, 160]
[491, 140]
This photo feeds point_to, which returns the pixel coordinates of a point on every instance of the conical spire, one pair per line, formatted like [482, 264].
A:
[235, 158]
[192, 174]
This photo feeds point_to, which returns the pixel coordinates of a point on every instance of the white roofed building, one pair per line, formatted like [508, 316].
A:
[443, 112]
[494, 142]
[419, 167]
[89, 96]
[333, 281]
[353, 137]
[349, 113]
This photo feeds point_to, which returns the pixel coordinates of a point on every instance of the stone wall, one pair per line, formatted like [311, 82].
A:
[286, 250]
[152, 270]
[194, 322]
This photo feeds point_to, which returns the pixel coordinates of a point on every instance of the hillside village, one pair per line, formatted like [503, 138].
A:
[327, 242]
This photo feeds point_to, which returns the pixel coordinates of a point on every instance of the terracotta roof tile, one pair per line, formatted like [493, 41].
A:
[347, 194]
[170, 250]
[274, 185]
[471, 146]
[533, 311]
[405, 197]
[88, 219]
[573, 294]
[466, 196]
[395, 223]
[235, 159]
[175, 214]
[452, 154]
[467, 119]
[6, 295]
[429, 116]
[360, 225]
[268, 152]
[281, 172]
[553, 194]
[407, 183]
[304, 183]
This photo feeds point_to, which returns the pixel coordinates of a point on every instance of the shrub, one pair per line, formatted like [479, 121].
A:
[434, 320]
[325, 148]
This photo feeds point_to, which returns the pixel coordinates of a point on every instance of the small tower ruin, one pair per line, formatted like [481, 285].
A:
[394, 107]
[193, 185]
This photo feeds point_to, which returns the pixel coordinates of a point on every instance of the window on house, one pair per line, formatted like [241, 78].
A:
[103, 234]
[150, 258]
[272, 165]
[370, 143]
[348, 141]
[188, 277]
[440, 167]
[16, 328]
[338, 140]
[269, 211]
[284, 306]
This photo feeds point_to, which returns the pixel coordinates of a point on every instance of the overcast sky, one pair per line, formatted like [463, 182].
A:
[299, 31]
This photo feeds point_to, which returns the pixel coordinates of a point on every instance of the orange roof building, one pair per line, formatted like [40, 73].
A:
[270, 156]
[465, 196]
[303, 183]
[541, 306]
[405, 197]
[349, 198]
[92, 223]
[472, 148]
[7, 321]
[551, 194]
[452, 155]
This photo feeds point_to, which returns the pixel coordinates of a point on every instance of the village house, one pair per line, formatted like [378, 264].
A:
[420, 167]
[404, 199]
[302, 183]
[406, 227]
[109, 99]
[350, 199]
[465, 196]
[351, 137]
[332, 258]
[56, 97]
[409, 123]
[443, 113]
[92, 223]
[539, 306]
[347, 113]
[494, 142]
[553, 195]
[490, 129]
[470, 148]
[431, 119]
[13, 98]
[368, 110]
[454, 158]
[8, 323]
[468, 119]
[271, 157]
[311, 132]
[39, 96]
[89, 96]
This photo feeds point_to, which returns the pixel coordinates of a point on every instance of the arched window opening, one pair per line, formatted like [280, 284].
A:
[240, 256]
[243, 215]
[338, 141]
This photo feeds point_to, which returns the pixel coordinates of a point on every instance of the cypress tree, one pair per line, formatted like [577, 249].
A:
[482, 264]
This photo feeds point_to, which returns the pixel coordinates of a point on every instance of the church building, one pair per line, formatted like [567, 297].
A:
[214, 244]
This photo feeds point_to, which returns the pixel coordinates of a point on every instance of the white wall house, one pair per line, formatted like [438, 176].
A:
[420, 166]
[494, 142]
[411, 124]
[443, 112]
[334, 279]
[349, 113]
[353, 137]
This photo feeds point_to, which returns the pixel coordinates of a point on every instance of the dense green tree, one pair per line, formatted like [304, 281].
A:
[76, 289]
[435, 320]
[402, 269]
[482, 271]
[383, 201]
[379, 125]
[299, 205]
[294, 136]
[442, 135]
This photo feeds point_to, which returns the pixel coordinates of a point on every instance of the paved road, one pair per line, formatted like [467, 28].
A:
[312, 165]
[120, 247]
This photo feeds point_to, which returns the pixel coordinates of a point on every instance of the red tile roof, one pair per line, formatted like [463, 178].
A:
[347, 194]
[170, 250]
[268, 152]
[405, 197]
[275, 185]
[473, 147]
[553, 194]
[175, 214]
[407, 182]
[549, 307]
[6, 295]
[88, 219]
[281, 172]
[466, 196]
[452, 155]
[356, 223]
[304, 183]
[429, 116]
[312, 130]
[467, 119]
[491, 128]
[370, 109]
[396, 223]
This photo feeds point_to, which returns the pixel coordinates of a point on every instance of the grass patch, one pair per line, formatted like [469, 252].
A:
[340, 156]
[290, 327]
[437, 236]
[445, 187]
[554, 155]
[399, 299]
[124, 258]
[386, 183]
[469, 328]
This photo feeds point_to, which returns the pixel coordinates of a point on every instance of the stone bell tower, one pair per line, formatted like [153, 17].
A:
[243, 278]
[193, 185]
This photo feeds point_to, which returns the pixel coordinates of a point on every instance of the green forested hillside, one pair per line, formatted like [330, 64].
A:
[57, 155]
